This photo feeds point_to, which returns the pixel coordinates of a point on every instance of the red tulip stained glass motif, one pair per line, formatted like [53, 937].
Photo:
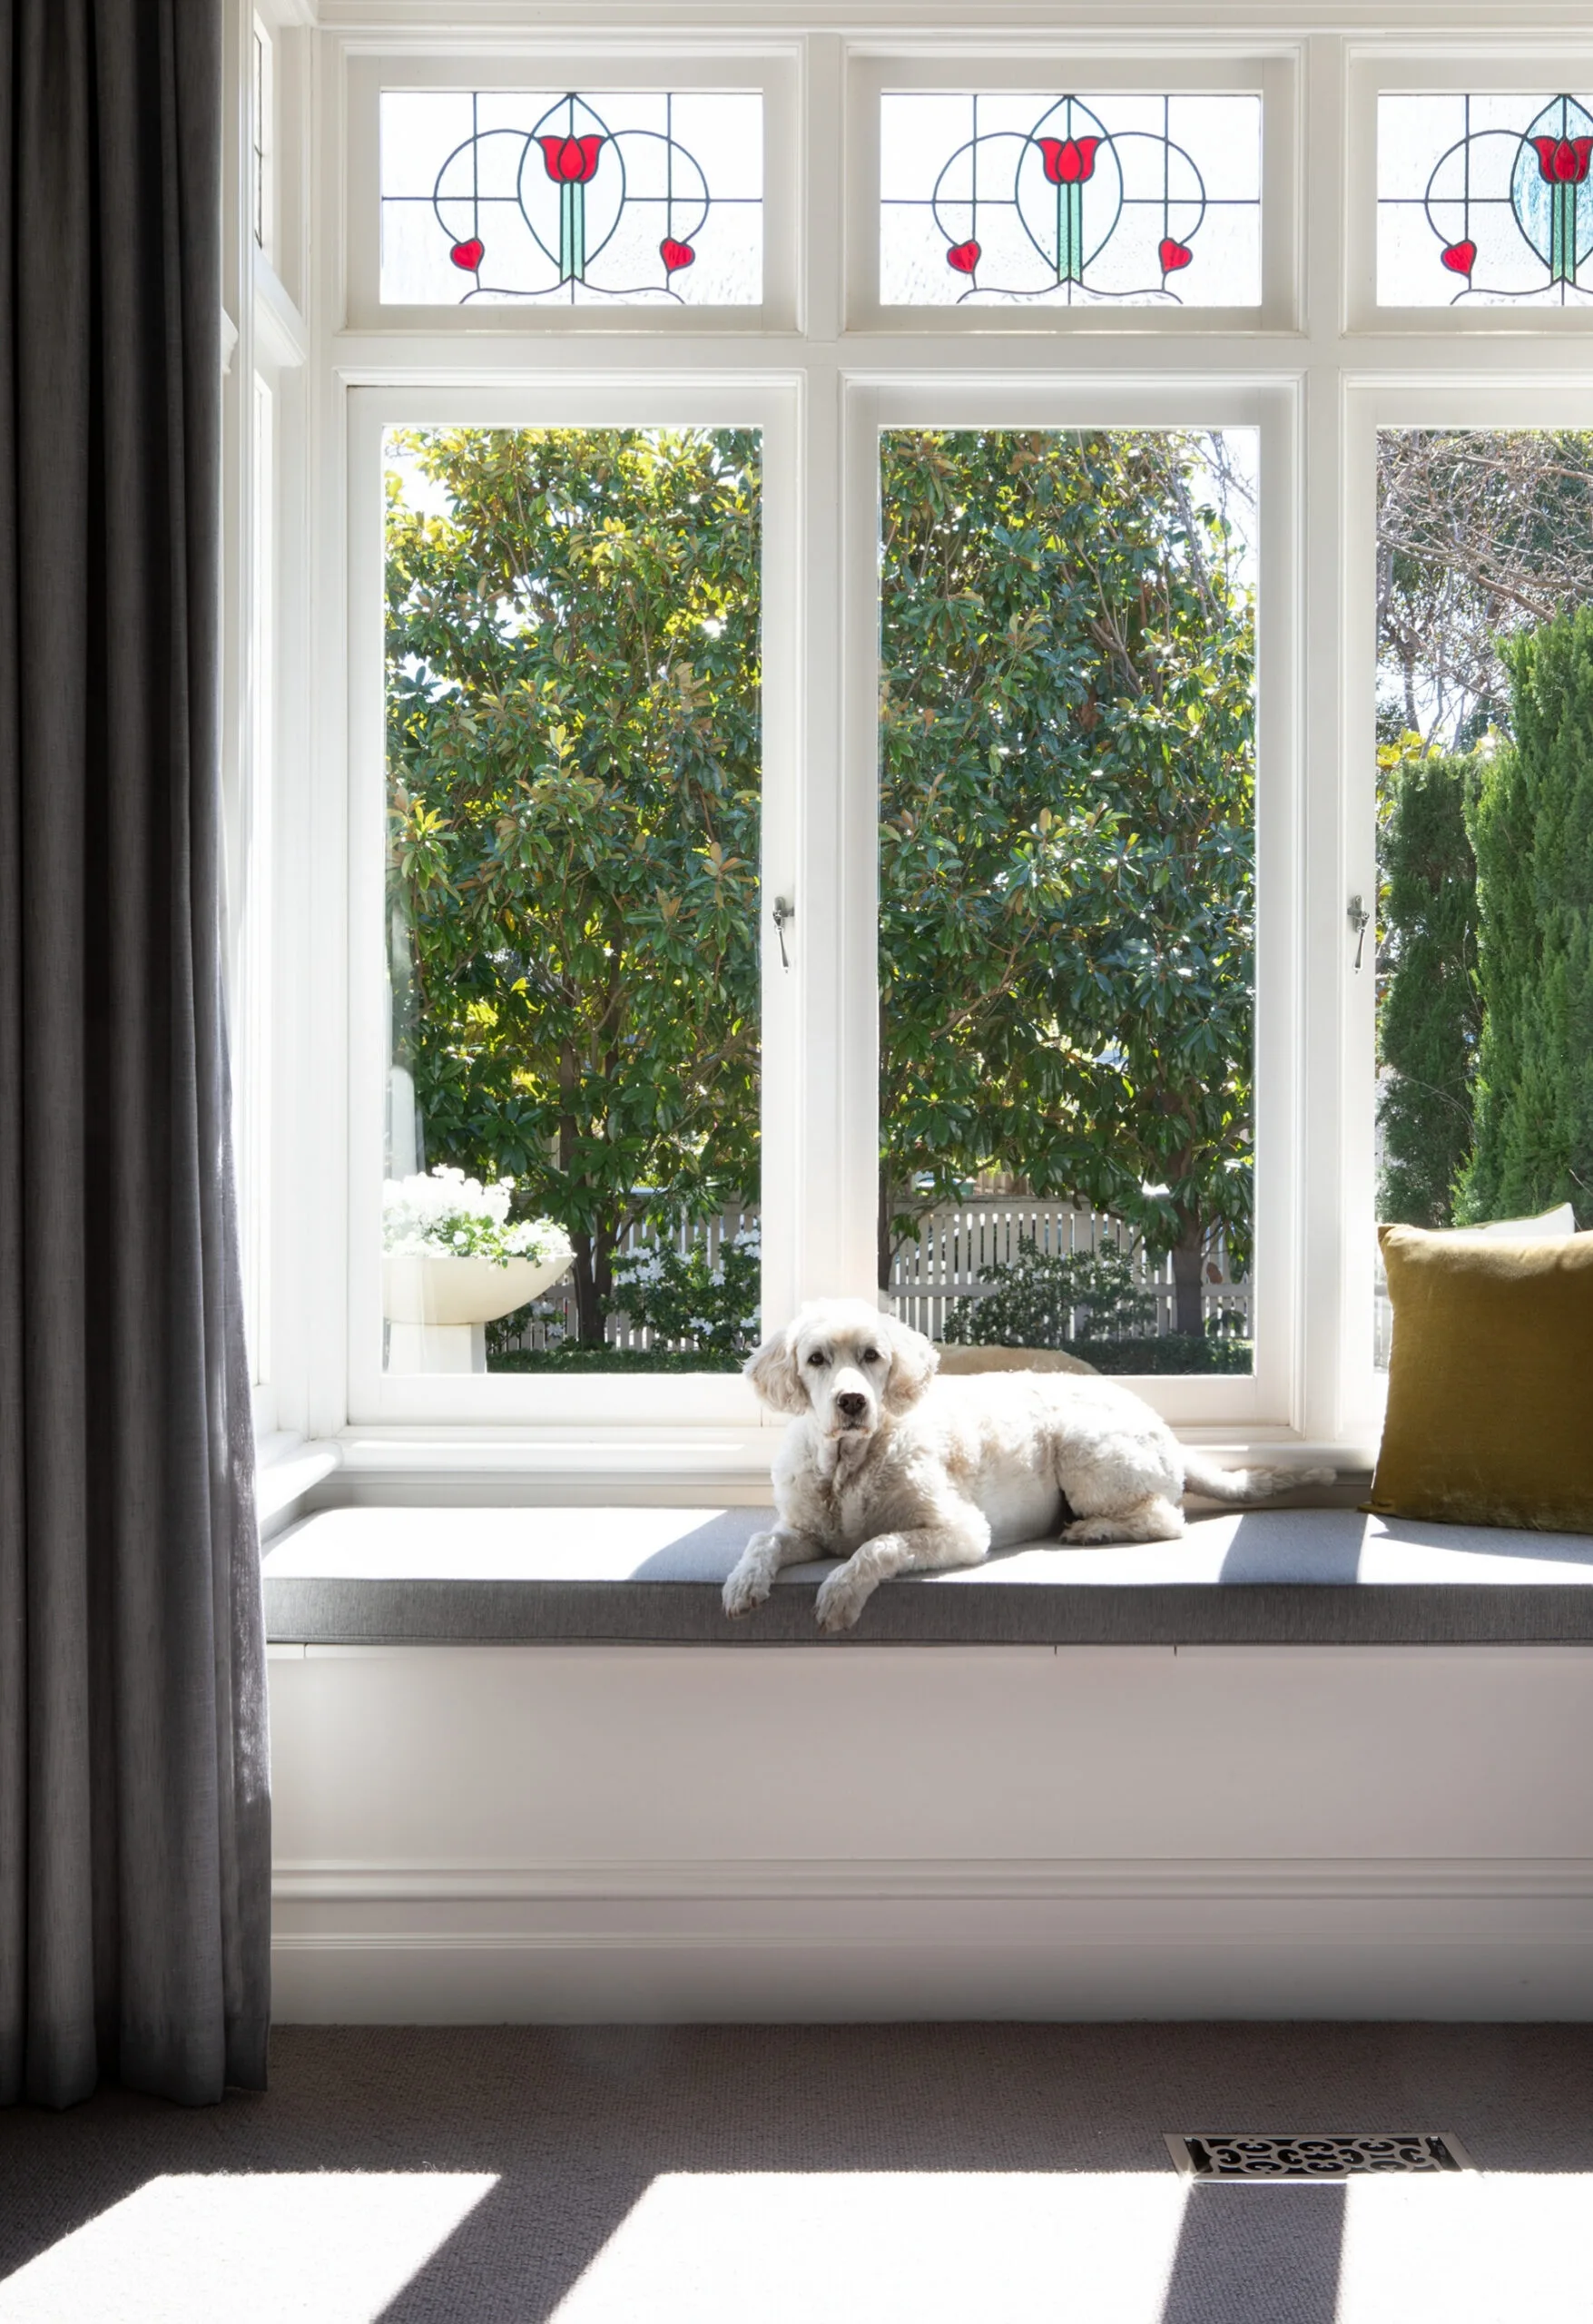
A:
[570, 161]
[636, 198]
[1484, 199]
[1002, 199]
[1068, 160]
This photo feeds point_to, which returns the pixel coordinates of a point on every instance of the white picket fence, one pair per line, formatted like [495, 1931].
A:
[956, 1243]
[557, 1311]
[943, 1265]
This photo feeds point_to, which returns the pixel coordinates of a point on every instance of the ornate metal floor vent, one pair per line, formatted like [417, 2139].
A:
[1261, 2160]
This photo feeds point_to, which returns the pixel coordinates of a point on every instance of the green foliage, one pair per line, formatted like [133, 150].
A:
[1170, 1353]
[570, 1355]
[1531, 828]
[681, 1297]
[1052, 1299]
[1067, 869]
[572, 745]
[1067, 779]
[1431, 1012]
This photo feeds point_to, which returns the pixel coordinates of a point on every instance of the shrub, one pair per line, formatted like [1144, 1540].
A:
[1432, 1013]
[1053, 1298]
[681, 1297]
[1531, 827]
[573, 1355]
[1171, 1352]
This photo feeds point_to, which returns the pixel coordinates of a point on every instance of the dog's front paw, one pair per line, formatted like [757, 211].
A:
[842, 1598]
[748, 1587]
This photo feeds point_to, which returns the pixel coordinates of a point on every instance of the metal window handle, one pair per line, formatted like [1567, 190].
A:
[783, 914]
[1360, 919]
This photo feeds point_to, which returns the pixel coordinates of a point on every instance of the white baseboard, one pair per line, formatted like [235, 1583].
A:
[827, 1941]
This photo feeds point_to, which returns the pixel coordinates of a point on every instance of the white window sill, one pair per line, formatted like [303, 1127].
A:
[530, 1465]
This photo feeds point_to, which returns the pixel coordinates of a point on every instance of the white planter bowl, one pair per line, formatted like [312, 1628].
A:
[466, 1290]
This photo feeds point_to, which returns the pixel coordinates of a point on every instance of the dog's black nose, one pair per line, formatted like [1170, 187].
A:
[851, 1404]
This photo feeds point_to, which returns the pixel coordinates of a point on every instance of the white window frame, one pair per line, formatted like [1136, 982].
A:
[593, 401]
[1525, 400]
[1316, 376]
[1267, 1396]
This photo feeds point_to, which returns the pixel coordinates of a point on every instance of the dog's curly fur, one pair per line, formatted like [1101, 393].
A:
[900, 1472]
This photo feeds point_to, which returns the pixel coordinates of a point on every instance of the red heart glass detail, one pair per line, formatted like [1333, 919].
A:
[1460, 257]
[675, 254]
[1173, 254]
[964, 258]
[468, 255]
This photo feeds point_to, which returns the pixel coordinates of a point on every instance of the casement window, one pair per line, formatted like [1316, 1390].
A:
[853, 691]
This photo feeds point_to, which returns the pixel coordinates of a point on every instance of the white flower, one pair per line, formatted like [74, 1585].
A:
[443, 1215]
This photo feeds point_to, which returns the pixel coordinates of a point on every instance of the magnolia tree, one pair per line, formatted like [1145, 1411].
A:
[572, 690]
[1067, 866]
[1067, 787]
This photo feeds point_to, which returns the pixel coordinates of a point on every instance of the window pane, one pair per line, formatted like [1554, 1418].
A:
[1483, 200]
[574, 774]
[1484, 940]
[1009, 200]
[492, 196]
[1067, 874]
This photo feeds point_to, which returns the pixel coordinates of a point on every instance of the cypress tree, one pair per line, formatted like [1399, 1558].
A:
[1531, 819]
[1431, 1017]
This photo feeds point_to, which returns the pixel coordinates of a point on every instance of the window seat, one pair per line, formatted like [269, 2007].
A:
[652, 1577]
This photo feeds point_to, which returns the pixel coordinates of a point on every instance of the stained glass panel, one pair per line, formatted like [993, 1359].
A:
[1019, 199]
[495, 196]
[1484, 201]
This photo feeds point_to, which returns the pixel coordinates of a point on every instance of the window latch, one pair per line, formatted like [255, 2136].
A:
[784, 913]
[1359, 917]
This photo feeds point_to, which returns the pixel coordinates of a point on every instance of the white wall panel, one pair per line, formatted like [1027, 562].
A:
[630, 1832]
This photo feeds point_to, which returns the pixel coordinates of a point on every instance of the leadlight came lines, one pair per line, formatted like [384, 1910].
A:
[1000, 197]
[645, 198]
[1484, 199]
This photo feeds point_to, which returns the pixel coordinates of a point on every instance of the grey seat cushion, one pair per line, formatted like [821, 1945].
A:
[653, 1576]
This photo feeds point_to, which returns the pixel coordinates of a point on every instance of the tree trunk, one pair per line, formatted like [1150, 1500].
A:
[593, 1272]
[1188, 1259]
[884, 1245]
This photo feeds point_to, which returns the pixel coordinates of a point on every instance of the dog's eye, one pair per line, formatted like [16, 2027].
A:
[820, 1360]
[871, 1355]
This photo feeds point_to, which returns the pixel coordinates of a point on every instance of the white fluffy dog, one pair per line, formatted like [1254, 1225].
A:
[900, 1472]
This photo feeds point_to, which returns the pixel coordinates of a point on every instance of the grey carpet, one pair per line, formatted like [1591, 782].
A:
[990, 2126]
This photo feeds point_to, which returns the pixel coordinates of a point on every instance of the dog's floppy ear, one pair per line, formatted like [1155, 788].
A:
[913, 1364]
[772, 1372]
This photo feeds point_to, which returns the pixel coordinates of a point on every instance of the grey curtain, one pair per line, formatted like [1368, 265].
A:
[134, 1839]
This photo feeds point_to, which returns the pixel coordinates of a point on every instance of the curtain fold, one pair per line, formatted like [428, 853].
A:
[134, 1808]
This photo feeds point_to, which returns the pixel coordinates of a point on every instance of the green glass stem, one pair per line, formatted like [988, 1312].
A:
[572, 232]
[1070, 233]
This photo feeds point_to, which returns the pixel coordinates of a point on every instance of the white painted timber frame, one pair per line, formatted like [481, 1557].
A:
[819, 369]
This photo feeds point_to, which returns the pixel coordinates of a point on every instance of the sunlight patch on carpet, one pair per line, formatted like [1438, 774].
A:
[790, 2247]
[1501, 2248]
[195, 2247]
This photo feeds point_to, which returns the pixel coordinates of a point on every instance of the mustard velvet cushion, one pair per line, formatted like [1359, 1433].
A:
[1491, 1381]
